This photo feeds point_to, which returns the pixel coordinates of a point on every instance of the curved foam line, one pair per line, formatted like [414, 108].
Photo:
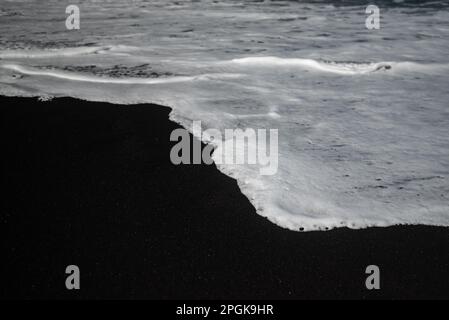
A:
[79, 77]
[66, 52]
[339, 68]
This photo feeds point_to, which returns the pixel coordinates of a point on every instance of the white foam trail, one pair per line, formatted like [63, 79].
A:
[338, 68]
[78, 77]
[48, 53]
[343, 68]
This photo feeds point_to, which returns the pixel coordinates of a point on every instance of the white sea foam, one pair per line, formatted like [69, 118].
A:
[49, 53]
[333, 67]
[361, 143]
[86, 78]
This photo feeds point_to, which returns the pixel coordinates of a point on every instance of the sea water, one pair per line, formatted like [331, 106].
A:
[362, 115]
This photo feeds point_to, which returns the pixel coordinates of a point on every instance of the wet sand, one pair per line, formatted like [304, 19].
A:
[91, 184]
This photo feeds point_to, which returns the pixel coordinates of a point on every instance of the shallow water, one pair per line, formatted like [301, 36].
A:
[363, 115]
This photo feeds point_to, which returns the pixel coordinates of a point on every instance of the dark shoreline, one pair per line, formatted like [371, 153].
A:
[91, 184]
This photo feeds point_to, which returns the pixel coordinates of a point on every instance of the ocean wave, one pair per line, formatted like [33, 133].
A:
[343, 68]
[48, 53]
[347, 68]
[362, 120]
[95, 79]
[65, 52]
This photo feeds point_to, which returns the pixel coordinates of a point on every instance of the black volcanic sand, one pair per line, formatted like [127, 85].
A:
[91, 184]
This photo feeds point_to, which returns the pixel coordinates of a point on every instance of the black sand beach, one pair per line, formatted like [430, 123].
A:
[91, 184]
